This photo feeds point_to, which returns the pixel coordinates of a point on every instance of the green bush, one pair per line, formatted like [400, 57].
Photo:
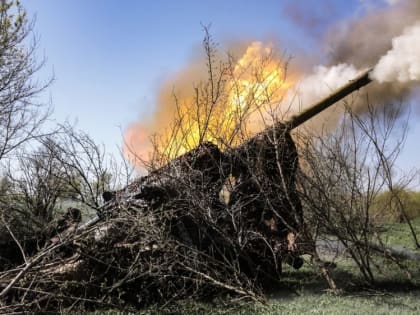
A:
[387, 206]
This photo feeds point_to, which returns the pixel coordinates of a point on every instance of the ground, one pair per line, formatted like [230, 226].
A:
[305, 292]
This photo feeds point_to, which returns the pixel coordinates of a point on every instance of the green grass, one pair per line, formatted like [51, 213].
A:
[313, 303]
[394, 292]
[399, 234]
[306, 302]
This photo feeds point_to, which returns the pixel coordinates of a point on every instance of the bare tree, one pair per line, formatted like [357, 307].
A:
[21, 116]
[48, 190]
[35, 186]
[82, 164]
[68, 165]
[343, 173]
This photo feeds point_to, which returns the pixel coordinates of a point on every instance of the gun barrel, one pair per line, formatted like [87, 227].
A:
[353, 85]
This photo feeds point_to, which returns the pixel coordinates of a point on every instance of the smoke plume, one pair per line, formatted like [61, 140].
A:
[386, 39]
[361, 41]
[402, 62]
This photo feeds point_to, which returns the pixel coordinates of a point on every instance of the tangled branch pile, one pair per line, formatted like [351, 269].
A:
[169, 234]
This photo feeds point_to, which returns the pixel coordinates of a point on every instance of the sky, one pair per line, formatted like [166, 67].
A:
[110, 57]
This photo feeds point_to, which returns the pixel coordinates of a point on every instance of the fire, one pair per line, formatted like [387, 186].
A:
[136, 146]
[228, 106]
[261, 82]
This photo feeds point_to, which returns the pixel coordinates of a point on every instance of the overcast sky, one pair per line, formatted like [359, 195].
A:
[110, 57]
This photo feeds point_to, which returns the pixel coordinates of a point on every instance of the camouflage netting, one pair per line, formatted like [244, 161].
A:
[169, 234]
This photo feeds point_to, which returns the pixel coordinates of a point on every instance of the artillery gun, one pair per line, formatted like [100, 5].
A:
[207, 166]
[214, 165]
[263, 167]
[251, 233]
[263, 198]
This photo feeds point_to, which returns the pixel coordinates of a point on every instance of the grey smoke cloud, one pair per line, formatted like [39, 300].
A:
[361, 41]
[386, 39]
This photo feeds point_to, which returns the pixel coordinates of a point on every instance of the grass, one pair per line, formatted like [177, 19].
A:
[394, 292]
[312, 303]
[400, 235]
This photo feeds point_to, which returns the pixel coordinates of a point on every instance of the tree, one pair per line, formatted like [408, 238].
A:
[343, 172]
[83, 166]
[67, 166]
[36, 185]
[21, 117]
[171, 236]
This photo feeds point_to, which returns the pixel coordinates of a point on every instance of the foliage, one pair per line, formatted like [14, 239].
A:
[385, 207]
[21, 117]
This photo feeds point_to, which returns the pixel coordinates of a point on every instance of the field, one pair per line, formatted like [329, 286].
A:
[399, 234]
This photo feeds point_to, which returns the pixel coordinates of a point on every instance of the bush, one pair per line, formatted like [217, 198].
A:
[387, 208]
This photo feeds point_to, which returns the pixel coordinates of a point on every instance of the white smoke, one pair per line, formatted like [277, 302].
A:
[321, 82]
[386, 38]
[392, 2]
[402, 62]
[314, 86]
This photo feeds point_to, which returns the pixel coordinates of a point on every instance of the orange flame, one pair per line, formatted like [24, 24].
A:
[225, 109]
